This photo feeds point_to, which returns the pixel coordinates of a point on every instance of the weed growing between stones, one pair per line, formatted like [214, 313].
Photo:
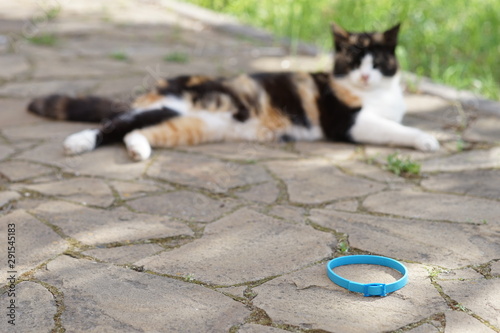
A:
[43, 39]
[119, 55]
[177, 57]
[402, 166]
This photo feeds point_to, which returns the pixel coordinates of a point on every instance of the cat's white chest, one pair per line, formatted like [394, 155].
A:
[386, 102]
[384, 99]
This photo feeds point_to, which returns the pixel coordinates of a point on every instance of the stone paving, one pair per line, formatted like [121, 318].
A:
[227, 237]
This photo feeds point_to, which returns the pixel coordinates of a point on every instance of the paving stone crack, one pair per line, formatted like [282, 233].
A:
[457, 306]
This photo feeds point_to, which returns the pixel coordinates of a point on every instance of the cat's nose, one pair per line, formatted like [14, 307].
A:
[365, 78]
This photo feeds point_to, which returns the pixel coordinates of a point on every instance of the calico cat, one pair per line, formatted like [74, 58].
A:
[360, 101]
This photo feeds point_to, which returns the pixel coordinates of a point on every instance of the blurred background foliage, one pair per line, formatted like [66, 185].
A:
[454, 42]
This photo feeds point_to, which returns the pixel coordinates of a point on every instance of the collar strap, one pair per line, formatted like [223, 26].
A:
[369, 289]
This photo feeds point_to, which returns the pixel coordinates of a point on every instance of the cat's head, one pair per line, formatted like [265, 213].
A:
[365, 59]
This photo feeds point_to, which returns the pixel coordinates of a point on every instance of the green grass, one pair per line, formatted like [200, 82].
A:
[453, 42]
[43, 39]
[119, 55]
[400, 165]
[178, 57]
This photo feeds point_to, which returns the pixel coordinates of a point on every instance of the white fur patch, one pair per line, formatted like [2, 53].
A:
[81, 142]
[384, 99]
[371, 128]
[138, 146]
[301, 133]
[426, 142]
[170, 101]
[366, 76]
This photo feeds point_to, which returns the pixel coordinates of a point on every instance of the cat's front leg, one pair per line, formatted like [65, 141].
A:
[138, 146]
[370, 128]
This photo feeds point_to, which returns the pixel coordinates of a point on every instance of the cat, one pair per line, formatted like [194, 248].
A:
[360, 101]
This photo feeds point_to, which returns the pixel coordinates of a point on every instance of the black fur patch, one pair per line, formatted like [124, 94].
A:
[284, 96]
[350, 48]
[336, 118]
[206, 90]
[87, 109]
[116, 129]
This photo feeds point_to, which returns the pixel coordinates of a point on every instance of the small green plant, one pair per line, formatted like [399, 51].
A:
[52, 13]
[343, 247]
[400, 165]
[43, 39]
[177, 57]
[119, 55]
[188, 277]
[460, 145]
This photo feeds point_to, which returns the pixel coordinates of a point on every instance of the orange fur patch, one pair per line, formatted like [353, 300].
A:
[162, 83]
[197, 79]
[248, 91]
[272, 121]
[180, 131]
[308, 94]
[345, 95]
[147, 99]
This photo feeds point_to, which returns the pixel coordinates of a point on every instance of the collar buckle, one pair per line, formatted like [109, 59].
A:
[374, 289]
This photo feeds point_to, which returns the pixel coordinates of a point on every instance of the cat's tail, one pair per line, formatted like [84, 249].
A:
[87, 109]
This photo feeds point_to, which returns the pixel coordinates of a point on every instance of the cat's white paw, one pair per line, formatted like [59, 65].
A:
[426, 142]
[81, 142]
[138, 146]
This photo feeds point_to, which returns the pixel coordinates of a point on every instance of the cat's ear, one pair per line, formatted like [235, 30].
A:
[391, 35]
[340, 36]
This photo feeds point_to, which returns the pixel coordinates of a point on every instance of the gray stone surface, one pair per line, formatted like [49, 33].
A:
[263, 193]
[431, 206]
[345, 205]
[131, 190]
[333, 151]
[180, 204]
[459, 274]
[18, 170]
[95, 226]
[425, 328]
[110, 161]
[36, 308]
[34, 242]
[460, 322]
[309, 300]
[7, 197]
[479, 296]
[241, 151]
[470, 160]
[372, 172]
[481, 183]
[289, 213]
[417, 241]
[85, 191]
[33, 89]
[314, 181]
[61, 68]
[230, 237]
[125, 254]
[244, 246]
[12, 66]
[5, 151]
[253, 328]
[495, 268]
[102, 297]
[204, 172]
[46, 130]
[484, 129]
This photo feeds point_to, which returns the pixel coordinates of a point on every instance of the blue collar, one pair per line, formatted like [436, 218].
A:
[369, 289]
